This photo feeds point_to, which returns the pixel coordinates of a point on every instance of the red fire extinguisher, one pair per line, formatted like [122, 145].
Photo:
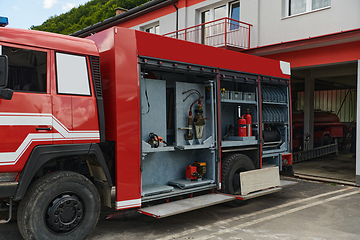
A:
[242, 127]
[248, 123]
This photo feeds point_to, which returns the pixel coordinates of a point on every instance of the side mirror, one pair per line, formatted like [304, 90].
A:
[4, 69]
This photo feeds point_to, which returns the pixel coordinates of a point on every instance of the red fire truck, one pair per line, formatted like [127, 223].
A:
[151, 117]
[327, 129]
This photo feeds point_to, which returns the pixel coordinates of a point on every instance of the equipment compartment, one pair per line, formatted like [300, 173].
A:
[239, 109]
[178, 130]
[275, 119]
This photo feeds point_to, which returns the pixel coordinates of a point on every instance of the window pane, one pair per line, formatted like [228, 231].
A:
[72, 74]
[150, 30]
[157, 29]
[316, 4]
[27, 69]
[205, 16]
[235, 11]
[297, 6]
[220, 12]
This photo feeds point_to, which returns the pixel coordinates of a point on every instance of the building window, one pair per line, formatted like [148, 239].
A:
[302, 6]
[230, 10]
[235, 11]
[152, 28]
[220, 12]
[213, 30]
[205, 16]
[316, 4]
[297, 6]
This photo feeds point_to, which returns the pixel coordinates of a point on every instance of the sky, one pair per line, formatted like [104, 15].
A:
[25, 13]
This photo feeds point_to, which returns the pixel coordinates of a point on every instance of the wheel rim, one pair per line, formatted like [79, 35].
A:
[64, 213]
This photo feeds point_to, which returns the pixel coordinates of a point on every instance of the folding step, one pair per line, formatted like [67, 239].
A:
[283, 183]
[186, 205]
[258, 193]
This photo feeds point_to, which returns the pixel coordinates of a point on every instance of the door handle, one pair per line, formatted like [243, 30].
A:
[43, 128]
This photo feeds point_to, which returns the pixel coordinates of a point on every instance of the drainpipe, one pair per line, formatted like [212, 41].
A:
[177, 17]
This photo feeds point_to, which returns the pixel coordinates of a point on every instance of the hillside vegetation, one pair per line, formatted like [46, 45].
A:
[85, 15]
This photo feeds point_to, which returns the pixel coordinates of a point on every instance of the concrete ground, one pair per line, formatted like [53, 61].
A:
[330, 166]
[307, 210]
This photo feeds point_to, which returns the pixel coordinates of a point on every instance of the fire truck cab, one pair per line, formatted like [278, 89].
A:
[151, 117]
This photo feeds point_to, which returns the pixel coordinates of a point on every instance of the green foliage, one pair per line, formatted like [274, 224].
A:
[85, 15]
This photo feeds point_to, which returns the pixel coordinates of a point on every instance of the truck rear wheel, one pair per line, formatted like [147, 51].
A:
[231, 168]
[326, 140]
[60, 205]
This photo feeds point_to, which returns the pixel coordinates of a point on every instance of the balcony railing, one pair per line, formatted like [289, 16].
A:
[223, 32]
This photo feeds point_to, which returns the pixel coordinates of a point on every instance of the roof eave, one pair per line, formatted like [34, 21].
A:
[307, 43]
[132, 13]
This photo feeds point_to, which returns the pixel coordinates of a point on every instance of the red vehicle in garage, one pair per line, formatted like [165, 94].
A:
[327, 128]
[140, 114]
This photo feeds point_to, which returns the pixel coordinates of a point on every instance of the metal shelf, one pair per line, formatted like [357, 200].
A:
[282, 123]
[276, 103]
[146, 148]
[238, 101]
[234, 141]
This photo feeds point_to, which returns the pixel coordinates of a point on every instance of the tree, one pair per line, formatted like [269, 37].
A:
[85, 15]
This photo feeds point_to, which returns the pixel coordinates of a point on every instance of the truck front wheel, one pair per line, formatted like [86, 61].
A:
[231, 167]
[60, 205]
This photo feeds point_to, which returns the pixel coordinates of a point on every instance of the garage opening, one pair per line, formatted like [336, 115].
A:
[324, 103]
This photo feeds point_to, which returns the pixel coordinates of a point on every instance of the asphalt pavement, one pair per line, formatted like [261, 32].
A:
[307, 210]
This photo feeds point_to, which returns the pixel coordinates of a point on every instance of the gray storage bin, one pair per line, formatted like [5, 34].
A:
[225, 94]
[236, 95]
[248, 96]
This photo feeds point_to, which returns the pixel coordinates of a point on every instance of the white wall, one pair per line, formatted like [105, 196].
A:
[167, 23]
[273, 27]
[269, 24]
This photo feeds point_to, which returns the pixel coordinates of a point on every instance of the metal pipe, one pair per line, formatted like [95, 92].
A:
[10, 213]
[191, 94]
[177, 17]
[193, 89]
[212, 110]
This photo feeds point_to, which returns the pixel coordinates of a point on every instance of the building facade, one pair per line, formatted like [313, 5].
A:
[272, 21]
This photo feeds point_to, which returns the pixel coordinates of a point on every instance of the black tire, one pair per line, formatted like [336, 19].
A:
[60, 205]
[326, 140]
[236, 203]
[231, 167]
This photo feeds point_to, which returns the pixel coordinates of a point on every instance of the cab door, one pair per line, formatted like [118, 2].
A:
[26, 119]
[74, 103]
